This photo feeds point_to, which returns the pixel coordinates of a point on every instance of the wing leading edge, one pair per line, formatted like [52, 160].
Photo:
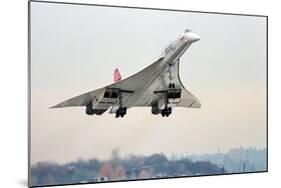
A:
[125, 86]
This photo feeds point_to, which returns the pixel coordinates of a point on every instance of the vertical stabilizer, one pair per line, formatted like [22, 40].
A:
[117, 75]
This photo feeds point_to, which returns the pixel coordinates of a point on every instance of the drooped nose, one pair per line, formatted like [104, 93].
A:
[191, 37]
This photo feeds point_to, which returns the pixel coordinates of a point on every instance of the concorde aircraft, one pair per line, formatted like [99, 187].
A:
[157, 86]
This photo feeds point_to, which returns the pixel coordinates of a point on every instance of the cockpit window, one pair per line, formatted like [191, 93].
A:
[187, 30]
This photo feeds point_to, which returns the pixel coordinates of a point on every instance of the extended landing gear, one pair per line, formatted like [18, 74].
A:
[89, 109]
[171, 85]
[166, 111]
[171, 94]
[121, 112]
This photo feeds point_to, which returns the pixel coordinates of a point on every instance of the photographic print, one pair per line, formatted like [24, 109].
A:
[130, 93]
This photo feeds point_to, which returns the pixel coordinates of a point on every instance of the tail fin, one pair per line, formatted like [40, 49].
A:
[117, 75]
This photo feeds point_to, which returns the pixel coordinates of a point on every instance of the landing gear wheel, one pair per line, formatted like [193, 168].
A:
[89, 109]
[166, 112]
[117, 114]
[171, 85]
[89, 112]
[121, 112]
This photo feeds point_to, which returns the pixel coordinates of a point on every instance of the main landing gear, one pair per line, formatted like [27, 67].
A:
[166, 111]
[171, 93]
[121, 111]
[89, 109]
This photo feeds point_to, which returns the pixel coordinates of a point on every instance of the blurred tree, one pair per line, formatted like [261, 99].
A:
[119, 173]
[144, 174]
[107, 170]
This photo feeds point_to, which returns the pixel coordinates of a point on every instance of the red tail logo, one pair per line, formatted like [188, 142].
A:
[117, 75]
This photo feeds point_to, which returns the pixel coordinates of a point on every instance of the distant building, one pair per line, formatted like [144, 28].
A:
[101, 179]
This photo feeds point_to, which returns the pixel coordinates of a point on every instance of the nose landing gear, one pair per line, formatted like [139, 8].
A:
[171, 85]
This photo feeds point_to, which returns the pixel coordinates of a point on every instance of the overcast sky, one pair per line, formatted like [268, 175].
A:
[74, 49]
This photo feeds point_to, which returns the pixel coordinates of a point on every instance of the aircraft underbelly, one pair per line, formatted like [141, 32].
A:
[157, 81]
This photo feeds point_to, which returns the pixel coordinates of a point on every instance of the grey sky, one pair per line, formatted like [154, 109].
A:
[74, 49]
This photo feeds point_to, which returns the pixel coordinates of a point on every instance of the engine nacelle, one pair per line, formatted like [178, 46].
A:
[155, 109]
[91, 111]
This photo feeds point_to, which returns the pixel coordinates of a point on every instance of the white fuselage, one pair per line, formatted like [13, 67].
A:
[162, 75]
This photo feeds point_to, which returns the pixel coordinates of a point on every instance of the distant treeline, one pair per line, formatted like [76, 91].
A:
[237, 160]
[132, 167]
[144, 167]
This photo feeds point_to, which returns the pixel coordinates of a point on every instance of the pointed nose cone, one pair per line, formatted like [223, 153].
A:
[192, 37]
